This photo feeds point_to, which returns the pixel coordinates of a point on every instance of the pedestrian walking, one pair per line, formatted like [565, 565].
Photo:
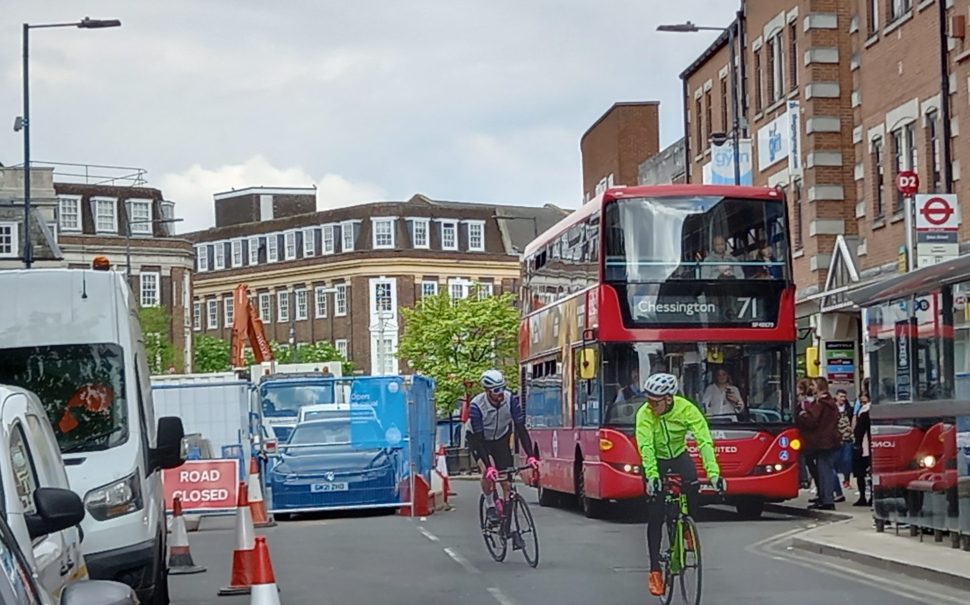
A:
[819, 425]
[862, 453]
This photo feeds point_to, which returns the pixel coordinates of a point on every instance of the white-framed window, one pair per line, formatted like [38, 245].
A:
[458, 288]
[476, 236]
[384, 353]
[309, 242]
[347, 236]
[265, 308]
[485, 289]
[429, 288]
[9, 240]
[383, 233]
[320, 302]
[202, 257]
[272, 248]
[140, 216]
[283, 305]
[340, 300]
[327, 237]
[212, 321]
[219, 255]
[197, 315]
[254, 251]
[420, 233]
[105, 214]
[449, 235]
[776, 63]
[149, 286]
[343, 347]
[237, 253]
[289, 240]
[69, 215]
[301, 305]
[382, 297]
[228, 311]
[898, 8]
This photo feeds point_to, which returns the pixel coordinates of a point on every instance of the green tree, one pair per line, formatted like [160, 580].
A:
[455, 341]
[211, 354]
[156, 326]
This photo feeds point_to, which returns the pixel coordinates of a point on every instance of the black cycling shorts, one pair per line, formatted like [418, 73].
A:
[500, 451]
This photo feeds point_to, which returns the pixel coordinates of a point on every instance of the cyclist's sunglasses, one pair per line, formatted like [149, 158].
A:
[495, 390]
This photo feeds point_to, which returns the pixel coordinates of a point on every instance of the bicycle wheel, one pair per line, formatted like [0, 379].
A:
[525, 528]
[691, 576]
[666, 552]
[494, 540]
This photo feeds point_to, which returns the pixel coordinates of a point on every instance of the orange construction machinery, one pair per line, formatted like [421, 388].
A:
[247, 327]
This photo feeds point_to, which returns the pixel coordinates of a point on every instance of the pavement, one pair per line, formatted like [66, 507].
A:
[380, 559]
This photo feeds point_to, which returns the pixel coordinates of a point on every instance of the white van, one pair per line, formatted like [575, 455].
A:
[30, 461]
[73, 338]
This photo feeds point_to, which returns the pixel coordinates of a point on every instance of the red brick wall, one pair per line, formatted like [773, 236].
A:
[626, 135]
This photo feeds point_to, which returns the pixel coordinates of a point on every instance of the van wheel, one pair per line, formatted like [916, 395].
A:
[160, 595]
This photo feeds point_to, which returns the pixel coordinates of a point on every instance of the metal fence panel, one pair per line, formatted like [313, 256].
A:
[216, 410]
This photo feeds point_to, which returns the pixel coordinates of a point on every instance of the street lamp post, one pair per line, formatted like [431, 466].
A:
[129, 222]
[690, 27]
[24, 122]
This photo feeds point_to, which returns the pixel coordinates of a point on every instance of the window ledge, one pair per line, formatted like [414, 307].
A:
[897, 216]
[793, 94]
[798, 253]
[879, 223]
[907, 16]
[962, 56]
[777, 104]
[872, 39]
[925, 4]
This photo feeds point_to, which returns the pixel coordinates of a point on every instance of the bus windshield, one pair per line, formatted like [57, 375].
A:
[731, 383]
[654, 240]
[286, 399]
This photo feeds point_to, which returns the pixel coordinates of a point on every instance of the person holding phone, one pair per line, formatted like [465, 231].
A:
[722, 397]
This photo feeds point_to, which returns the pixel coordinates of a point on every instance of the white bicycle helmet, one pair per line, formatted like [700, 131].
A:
[661, 384]
[493, 379]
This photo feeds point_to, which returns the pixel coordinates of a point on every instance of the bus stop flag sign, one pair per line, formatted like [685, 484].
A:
[937, 224]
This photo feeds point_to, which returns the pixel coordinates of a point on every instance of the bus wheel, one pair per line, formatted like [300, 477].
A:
[750, 508]
[591, 507]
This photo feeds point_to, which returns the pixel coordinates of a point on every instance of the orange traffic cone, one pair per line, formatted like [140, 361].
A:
[179, 556]
[256, 503]
[265, 591]
[244, 554]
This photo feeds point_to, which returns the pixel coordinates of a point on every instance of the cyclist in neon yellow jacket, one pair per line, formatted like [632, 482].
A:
[662, 426]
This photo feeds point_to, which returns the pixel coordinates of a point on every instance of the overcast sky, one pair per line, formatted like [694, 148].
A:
[475, 100]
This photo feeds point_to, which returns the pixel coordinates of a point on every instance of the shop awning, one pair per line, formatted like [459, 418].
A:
[916, 282]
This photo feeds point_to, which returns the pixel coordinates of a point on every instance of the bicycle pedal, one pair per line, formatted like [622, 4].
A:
[517, 542]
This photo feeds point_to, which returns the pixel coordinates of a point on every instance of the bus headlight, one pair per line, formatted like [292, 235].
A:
[928, 461]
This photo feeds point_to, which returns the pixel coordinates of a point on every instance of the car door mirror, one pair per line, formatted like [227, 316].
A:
[57, 509]
[169, 450]
[98, 592]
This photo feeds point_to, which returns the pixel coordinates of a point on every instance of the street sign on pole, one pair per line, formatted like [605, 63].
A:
[907, 182]
[937, 222]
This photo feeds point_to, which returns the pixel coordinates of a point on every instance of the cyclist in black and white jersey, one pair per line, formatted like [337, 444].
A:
[495, 414]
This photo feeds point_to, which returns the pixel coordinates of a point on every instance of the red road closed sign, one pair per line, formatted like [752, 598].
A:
[203, 484]
[937, 212]
[907, 182]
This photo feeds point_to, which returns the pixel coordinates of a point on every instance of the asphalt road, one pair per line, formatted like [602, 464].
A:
[390, 560]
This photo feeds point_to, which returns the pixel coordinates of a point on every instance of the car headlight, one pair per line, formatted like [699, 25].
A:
[115, 499]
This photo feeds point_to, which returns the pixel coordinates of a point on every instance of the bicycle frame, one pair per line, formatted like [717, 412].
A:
[675, 509]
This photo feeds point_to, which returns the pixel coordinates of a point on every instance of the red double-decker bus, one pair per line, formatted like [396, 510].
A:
[689, 279]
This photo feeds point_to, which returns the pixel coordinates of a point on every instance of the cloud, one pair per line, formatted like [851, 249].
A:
[192, 189]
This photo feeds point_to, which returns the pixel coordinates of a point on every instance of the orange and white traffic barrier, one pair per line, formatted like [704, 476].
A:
[244, 554]
[256, 504]
[179, 555]
[264, 591]
[441, 465]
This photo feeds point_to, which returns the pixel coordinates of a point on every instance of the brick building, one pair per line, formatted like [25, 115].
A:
[615, 146]
[342, 275]
[119, 221]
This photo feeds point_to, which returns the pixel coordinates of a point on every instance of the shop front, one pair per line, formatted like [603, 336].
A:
[916, 341]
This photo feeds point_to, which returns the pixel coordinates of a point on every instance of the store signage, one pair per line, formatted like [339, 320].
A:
[840, 361]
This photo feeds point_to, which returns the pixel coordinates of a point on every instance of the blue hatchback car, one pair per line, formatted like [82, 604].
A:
[330, 464]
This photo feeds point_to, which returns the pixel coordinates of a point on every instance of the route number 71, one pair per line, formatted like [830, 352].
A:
[748, 303]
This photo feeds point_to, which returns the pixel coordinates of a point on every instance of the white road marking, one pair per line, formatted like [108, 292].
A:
[500, 596]
[427, 534]
[461, 560]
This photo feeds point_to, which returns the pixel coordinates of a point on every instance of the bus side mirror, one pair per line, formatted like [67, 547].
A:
[587, 364]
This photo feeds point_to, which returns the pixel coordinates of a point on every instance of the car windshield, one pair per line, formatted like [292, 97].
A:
[731, 383]
[653, 240]
[82, 389]
[286, 399]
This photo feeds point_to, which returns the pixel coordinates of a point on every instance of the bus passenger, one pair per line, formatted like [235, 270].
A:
[721, 397]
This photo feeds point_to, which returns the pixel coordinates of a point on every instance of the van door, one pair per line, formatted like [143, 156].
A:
[48, 550]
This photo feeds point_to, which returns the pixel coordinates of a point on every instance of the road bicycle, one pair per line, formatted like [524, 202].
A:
[680, 549]
[515, 523]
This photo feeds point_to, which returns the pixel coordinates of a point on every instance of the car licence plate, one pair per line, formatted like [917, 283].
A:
[339, 486]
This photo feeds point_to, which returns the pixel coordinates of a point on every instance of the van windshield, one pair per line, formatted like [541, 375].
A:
[82, 388]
